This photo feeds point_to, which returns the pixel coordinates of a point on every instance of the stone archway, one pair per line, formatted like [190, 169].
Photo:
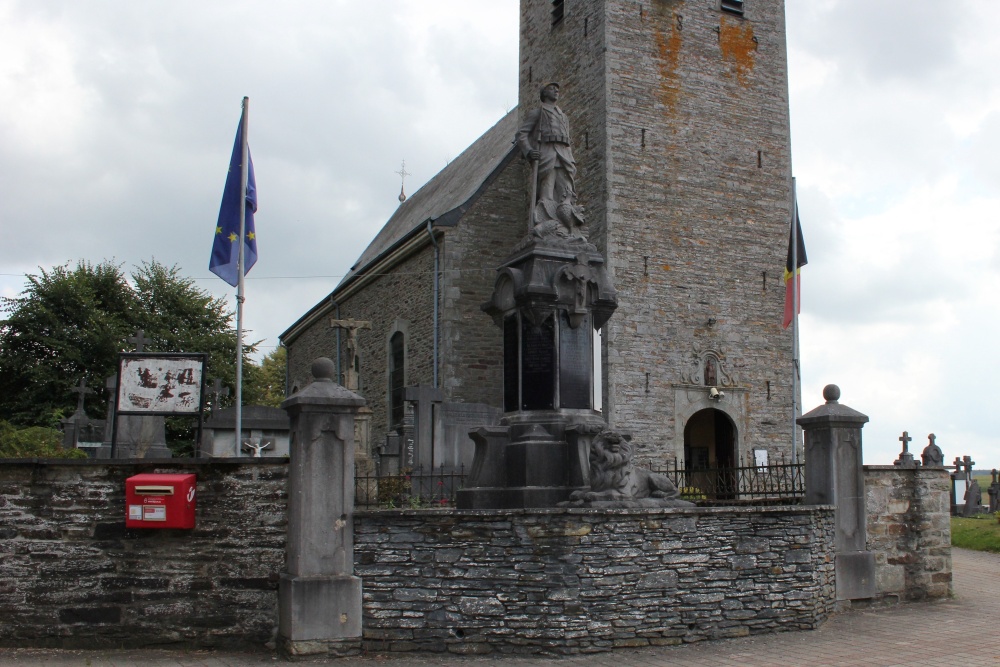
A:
[710, 437]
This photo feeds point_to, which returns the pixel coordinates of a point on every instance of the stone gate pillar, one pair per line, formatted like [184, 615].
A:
[834, 476]
[319, 598]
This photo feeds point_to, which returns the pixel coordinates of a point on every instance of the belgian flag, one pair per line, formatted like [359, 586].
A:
[796, 260]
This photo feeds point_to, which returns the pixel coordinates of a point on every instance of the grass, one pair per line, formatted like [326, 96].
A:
[981, 533]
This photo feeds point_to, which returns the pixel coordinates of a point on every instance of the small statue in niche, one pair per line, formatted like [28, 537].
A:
[616, 482]
[711, 372]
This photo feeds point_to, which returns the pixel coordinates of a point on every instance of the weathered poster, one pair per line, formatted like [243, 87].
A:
[164, 385]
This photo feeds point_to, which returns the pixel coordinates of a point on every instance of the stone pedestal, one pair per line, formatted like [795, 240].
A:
[835, 476]
[319, 598]
[549, 298]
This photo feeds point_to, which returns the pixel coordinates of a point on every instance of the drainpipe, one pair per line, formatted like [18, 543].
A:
[437, 252]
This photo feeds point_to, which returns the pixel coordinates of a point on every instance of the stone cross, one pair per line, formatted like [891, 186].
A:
[968, 464]
[218, 391]
[82, 389]
[428, 428]
[140, 340]
[905, 459]
[350, 376]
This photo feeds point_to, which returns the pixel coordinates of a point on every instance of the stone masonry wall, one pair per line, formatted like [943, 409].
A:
[909, 529]
[471, 344]
[680, 122]
[71, 575]
[401, 299]
[572, 581]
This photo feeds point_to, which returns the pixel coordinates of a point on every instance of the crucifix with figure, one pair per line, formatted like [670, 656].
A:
[350, 375]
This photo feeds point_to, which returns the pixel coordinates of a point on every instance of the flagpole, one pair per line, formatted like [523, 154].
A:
[796, 379]
[239, 273]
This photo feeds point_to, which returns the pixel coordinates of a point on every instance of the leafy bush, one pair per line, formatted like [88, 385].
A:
[34, 442]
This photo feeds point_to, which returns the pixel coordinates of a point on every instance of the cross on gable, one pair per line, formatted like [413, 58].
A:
[906, 440]
[139, 340]
[82, 389]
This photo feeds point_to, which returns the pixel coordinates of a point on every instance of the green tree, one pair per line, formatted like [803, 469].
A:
[265, 384]
[71, 323]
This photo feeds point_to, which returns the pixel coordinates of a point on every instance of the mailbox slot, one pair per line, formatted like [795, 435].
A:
[148, 490]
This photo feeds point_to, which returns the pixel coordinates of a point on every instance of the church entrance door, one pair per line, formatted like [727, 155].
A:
[710, 452]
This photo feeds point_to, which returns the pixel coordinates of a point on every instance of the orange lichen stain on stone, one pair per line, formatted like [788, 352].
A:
[668, 53]
[738, 45]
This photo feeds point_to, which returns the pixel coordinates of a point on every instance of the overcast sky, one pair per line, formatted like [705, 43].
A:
[118, 117]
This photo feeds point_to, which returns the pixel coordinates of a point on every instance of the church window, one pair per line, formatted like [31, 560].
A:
[558, 10]
[733, 7]
[397, 379]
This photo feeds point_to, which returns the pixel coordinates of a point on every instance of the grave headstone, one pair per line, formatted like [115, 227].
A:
[79, 430]
[932, 456]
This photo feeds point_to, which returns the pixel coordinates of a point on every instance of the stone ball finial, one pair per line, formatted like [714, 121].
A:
[831, 393]
[324, 370]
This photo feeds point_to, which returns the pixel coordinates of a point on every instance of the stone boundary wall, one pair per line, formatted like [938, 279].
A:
[909, 529]
[573, 581]
[71, 575]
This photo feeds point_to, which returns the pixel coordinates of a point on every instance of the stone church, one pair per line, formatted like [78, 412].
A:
[679, 122]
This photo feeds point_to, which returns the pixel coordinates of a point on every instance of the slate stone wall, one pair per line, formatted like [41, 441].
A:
[71, 575]
[572, 581]
[909, 529]
[471, 344]
[680, 122]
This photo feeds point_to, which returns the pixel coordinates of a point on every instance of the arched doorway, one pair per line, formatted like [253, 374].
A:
[710, 446]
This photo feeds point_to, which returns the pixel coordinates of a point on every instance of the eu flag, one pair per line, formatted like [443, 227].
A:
[225, 250]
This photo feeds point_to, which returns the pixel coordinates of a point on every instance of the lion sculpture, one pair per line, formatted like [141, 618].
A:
[616, 482]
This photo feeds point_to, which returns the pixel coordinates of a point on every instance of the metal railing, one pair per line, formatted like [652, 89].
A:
[409, 488]
[775, 483]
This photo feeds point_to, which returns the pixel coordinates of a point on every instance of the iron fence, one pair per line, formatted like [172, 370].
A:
[409, 488]
[775, 483]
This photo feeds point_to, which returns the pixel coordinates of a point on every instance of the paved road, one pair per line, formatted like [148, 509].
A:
[962, 632]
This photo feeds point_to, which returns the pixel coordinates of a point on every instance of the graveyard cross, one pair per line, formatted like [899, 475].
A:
[958, 464]
[82, 390]
[968, 464]
[218, 391]
[351, 327]
[994, 475]
[140, 340]
[906, 440]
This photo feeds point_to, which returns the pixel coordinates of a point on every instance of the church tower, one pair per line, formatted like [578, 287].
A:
[680, 128]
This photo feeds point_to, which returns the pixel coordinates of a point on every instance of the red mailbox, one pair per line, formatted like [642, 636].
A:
[160, 501]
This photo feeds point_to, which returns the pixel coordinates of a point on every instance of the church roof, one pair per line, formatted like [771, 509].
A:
[443, 200]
